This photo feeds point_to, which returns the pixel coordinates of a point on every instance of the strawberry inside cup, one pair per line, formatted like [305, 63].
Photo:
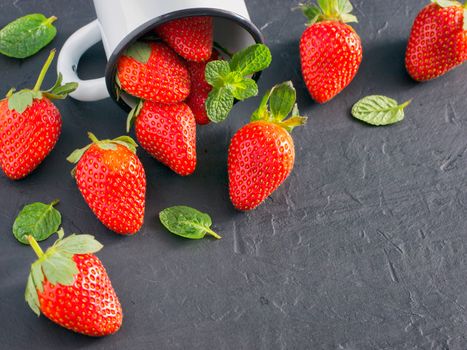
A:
[190, 37]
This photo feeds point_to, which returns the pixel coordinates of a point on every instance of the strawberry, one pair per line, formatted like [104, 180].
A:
[30, 125]
[168, 133]
[154, 72]
[438, 41]
[262, 154]
[112, 181]
[200, 89]
[330, 50]
[190, 37]
[69, 285]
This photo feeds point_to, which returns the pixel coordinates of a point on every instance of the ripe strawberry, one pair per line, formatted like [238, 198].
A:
[330, 50]
[438, 41]
[70, 286]
[168, 133]
[200, 89]
[190, 37]
[30, 125]
[112, 181]
[262, 153]
[154, 72]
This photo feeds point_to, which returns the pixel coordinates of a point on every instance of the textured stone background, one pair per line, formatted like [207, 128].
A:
[362, 248]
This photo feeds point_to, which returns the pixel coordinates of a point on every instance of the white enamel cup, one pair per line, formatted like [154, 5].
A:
[120, 23]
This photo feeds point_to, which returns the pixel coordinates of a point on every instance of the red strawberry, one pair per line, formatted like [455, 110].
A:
[168, 133]
[200, 89]
[30, 125]
[70, 286]
[330, 50]
[190, 37]
[262, 153]
[153, 72]
[112, 181]
[438, 41]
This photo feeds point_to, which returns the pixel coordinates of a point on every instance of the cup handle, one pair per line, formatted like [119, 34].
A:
[68, 60]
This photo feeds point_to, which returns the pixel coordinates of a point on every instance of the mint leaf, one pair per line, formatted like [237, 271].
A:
[187, 222]
[216, 72]
[139, 51]
[27, 35]
[38, 220]
[379, 110]
[219, 103]
[251, 60]
[230, 80]
[245, 89]
[282, 100]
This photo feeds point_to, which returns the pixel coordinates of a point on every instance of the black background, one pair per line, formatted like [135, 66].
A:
[362, 248]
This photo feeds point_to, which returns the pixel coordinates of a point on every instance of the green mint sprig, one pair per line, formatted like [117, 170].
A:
[230, 80]
[27, 35]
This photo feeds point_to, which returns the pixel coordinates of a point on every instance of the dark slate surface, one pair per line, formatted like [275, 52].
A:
[362, 248]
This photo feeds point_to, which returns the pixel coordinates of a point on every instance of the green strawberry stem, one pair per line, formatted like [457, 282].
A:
[44, 70]
[93, 137]
[35, 246]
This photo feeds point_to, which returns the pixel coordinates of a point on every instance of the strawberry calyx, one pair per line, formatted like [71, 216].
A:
[19, 101]
[446, 3]
[125, 141]
[133, 115]
[277, 105]
[329, 10]
[56, 264]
